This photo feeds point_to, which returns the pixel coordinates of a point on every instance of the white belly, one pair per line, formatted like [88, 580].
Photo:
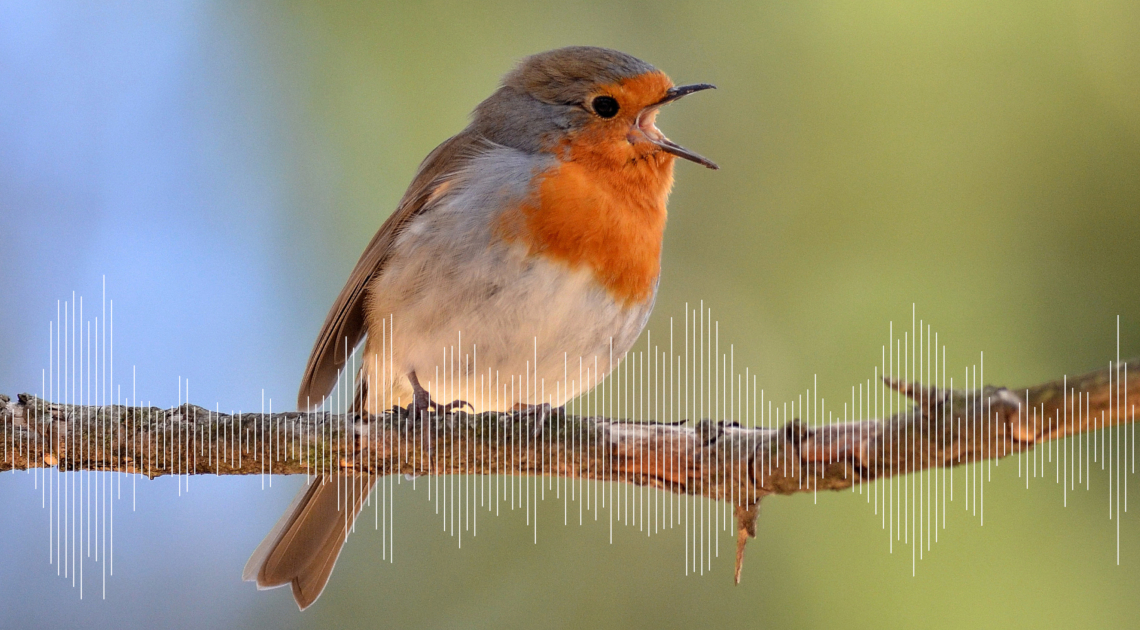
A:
[479, 320]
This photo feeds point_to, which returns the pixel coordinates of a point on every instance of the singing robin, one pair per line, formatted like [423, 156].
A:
[529, 243]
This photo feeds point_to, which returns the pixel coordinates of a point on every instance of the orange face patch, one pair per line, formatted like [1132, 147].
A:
[621, 139]
[603, 206]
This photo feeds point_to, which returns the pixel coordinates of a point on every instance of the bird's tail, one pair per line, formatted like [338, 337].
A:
[303, 546]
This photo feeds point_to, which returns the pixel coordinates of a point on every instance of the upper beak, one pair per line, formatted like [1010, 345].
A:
[668, 145]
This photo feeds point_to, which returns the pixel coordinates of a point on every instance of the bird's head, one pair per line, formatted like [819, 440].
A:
[585, 103]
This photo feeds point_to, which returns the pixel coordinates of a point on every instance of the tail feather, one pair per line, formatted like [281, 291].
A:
[303, 547]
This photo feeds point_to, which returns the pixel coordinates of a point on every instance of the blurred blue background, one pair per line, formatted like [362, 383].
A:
[224, 164]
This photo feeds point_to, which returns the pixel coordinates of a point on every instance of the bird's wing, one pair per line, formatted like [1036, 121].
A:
[345, 324]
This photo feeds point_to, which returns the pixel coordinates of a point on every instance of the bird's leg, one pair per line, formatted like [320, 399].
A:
[421, 406]
[536, 415]
[422, 399]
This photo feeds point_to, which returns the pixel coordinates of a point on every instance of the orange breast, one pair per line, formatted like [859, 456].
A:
[603, 214]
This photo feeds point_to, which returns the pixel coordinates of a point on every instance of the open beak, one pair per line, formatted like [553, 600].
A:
[666, 144]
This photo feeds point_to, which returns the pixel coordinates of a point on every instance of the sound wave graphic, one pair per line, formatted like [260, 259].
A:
[675, 435]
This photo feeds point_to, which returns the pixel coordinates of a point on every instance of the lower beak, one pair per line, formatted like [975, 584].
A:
[668, 145]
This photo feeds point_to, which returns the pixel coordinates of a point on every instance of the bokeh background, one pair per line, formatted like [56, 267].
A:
[223, 165]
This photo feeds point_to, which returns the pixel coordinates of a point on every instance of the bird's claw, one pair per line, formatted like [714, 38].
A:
[424, 407]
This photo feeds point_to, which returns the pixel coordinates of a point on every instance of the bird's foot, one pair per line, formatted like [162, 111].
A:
[453, 405]
[423, 408]
[430, 406]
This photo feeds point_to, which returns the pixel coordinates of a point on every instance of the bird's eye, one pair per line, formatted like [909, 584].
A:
[605, 106]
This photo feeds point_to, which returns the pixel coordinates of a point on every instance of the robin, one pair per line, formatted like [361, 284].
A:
[531, 241]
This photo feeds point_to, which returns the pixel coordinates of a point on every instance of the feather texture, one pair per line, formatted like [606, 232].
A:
[344, 326]
[302, 548]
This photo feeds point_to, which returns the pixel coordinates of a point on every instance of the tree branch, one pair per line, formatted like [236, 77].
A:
[718, 460]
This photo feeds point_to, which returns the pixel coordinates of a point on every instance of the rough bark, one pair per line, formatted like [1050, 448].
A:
[719, 460]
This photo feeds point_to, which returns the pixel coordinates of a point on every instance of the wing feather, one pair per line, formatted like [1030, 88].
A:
[344, 326]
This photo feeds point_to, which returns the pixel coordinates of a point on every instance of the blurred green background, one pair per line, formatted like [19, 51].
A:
[225, 164]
